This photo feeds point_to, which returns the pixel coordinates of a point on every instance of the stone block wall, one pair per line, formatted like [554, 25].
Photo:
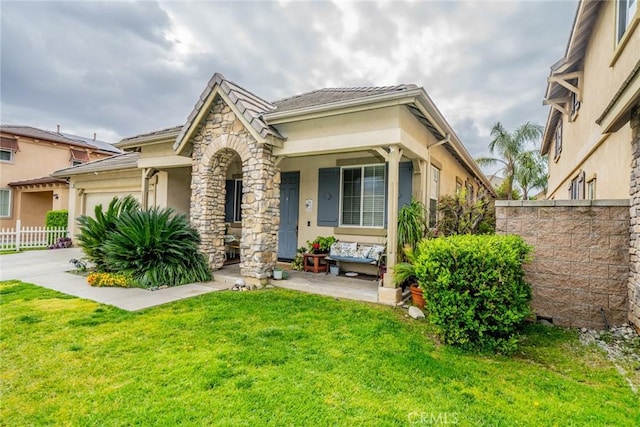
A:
[580, 265]
[220, 138]
[634, 231]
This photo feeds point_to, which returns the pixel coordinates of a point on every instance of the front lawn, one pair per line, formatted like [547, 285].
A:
[278, 357]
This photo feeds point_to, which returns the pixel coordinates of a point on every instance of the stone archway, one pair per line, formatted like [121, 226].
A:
[218, 139]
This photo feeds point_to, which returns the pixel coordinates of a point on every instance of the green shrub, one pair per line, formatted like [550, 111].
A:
[156, 247]
[93, 231]
[56, 219]
[412, 226]
[460, 215]
[475, 289]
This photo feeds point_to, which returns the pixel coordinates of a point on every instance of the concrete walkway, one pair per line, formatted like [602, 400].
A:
[50, 269]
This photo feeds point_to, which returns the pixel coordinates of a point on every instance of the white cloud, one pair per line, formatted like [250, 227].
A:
[125, 68]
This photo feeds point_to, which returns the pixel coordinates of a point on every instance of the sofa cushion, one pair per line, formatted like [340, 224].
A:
[362, 251]
[343, 249]
[376, 251]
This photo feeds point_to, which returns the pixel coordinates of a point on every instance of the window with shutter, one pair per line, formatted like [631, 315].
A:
[363, 196]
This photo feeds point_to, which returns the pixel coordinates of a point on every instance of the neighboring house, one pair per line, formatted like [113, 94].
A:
[332, 162]
[28, 157]
[592, 92]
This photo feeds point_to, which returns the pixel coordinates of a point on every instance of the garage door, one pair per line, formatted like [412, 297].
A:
[94, 199]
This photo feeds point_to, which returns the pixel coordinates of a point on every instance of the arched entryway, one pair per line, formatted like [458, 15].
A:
[220, 144]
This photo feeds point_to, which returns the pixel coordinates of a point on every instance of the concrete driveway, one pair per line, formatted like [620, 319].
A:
[49, 269]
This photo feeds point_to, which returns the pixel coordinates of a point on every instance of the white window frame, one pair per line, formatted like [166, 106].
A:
[434, 176]
[591, 189]
[557, 140]
[575, 105]
[625, 13]
[8, 213]
[4, 150]
[577, 187]
[362, 168]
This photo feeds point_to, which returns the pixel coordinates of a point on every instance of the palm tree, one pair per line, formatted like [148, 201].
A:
[509, 147]
[531, 172]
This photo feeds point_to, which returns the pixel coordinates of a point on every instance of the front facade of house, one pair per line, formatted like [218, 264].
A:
[333, 162]
[28, 156]
[591, 92]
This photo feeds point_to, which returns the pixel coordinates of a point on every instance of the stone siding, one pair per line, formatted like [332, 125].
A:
[634, 231]
[220, 138]
[580, 262]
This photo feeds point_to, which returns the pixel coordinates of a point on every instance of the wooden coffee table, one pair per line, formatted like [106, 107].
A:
[314, 262]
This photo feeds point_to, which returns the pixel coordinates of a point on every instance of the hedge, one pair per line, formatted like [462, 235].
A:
[475, 289]
[56, 219]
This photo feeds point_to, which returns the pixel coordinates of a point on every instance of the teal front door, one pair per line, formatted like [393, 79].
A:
[289, 201]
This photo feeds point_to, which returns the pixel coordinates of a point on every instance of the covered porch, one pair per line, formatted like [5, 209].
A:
[364, 288]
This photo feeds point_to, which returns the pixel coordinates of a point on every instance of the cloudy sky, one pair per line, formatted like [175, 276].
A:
[120, 68]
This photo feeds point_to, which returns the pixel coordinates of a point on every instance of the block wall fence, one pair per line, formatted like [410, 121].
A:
[581, 260]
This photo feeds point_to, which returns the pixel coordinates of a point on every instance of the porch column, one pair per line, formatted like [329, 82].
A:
[392, 212]
[147, 173]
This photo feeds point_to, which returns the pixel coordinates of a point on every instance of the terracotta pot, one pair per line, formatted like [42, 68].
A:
[417, 296]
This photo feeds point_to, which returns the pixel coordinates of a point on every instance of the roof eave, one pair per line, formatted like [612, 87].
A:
[443, 126]
[278, 117]
[137, 141]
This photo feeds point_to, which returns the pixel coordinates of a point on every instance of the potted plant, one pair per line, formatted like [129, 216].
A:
[321, 244]
[404, 273]
[412, 225]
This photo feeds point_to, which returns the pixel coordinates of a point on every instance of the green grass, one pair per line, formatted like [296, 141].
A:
[278, 357]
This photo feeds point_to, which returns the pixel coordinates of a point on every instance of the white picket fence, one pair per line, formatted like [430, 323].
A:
[29, 237]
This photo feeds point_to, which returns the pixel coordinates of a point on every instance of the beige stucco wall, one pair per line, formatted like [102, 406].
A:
[168, 188]
[178, 189]
[340, 132]
[585, 147]
[451, 171]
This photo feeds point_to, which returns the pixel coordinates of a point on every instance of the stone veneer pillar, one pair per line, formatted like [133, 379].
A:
[634, 228]
[218, 140]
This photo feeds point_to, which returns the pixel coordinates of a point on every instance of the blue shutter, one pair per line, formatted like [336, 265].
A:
[328, 197]
[386, 193]
[405, 186]
[228, 200]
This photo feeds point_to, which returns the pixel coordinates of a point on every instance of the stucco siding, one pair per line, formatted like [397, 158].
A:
[586, 145]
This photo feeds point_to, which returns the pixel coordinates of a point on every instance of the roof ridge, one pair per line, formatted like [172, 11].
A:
[70, 139]
[402, 86]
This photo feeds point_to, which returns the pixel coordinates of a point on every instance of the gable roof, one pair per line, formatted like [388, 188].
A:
[331, 95]
[250, 106]
[258, 113]
[127, 160]
[63, 138]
